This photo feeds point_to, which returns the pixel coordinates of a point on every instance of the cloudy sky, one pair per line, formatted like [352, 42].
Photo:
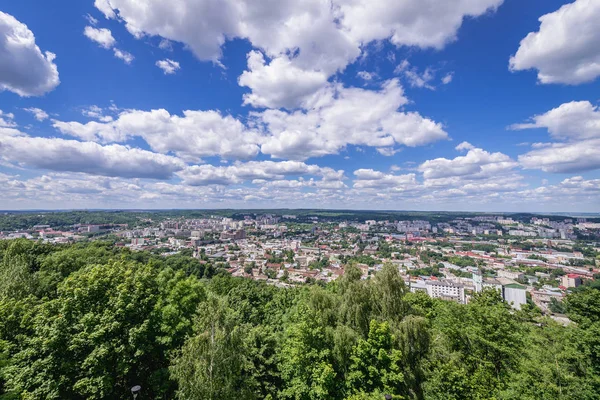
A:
[482, 105]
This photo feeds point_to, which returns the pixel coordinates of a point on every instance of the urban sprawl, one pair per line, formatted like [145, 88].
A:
[535, 259]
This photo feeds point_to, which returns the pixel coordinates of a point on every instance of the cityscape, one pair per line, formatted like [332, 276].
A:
[527, 258]
[300, 200]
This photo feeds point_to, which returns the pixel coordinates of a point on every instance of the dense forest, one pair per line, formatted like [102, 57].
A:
[89, 321]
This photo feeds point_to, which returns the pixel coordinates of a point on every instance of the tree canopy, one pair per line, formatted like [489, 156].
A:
[89, 321]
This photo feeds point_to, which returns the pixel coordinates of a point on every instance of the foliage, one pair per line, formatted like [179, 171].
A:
[88, 321]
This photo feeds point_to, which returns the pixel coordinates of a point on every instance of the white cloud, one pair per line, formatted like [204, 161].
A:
[105, 7]
[387, 151]
[566, 48]
[564, 157]
[191, 136]
[424, 23]
[575, 193]
[403, 66]
[6, 120]
[340, 116]
[420, 80]
[123, 55]
[91, 20]
[278, 26]
[578, 182]
[576, 123]
[476, 164]
[198, 175]
[168, 66]
[75, 190]
[292, 31]
[367, 76]
[464, 146]
[24, 70]
[294, 184]
[165, 44]
[371, 179]
[279, 83]
[337, 117]
[102, 36]
[38, 113]
[88, 157]
[574, 120]
[96, 112]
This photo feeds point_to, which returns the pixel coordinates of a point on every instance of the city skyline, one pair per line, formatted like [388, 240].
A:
[486, 105]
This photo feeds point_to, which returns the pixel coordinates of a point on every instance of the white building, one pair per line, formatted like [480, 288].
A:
[446, 290]
[515, 295]
[503, 273]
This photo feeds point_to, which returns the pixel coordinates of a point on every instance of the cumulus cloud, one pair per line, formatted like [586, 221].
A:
[24, 69]
[425, 23]
[336, 117]
[371, 179]
[166, 45]
[577, 124]
[464, 146]
[62, 190]
[102, 36]
[295, 184]
[191, 136]
[168, 66]
[365, 75]
[279, 83]
[410, 22]
[576, 191]
[476, 164]
[420, 80]
[579, 183]
[70, 155]
[38, 113]
[292, 31]
[7, 120]
[98, 113]
[123, 55]
[494, 181]
[564, 157]
[341, 116]
[574, 120]
[566, 47]
[198, 175]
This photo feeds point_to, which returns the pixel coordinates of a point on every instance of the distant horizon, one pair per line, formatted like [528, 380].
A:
[557, 213]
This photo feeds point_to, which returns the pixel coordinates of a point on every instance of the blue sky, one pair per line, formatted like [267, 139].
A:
[482, 105]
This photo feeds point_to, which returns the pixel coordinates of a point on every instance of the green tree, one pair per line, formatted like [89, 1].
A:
[305, 358]
[210, 363]
[376, 364]
[551, 368]
[110, 327]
